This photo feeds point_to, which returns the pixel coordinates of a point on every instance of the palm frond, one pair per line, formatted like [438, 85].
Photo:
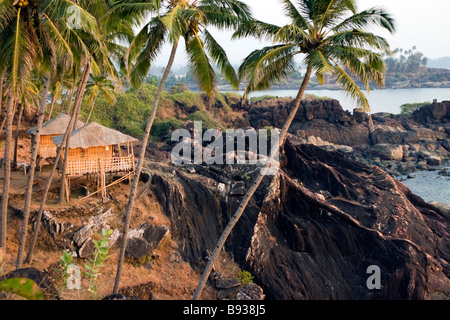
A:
[375, 16]
[350, 87]
[144, 49]
[359, 39]
[175, 23]
[199, 65]
[295, 15]
[264, 67]
[219, 57]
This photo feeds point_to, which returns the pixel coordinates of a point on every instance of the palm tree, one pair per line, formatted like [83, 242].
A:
[101, 51]
[48, 18]
[332, 38]
[99, 85]
[181, 19]
[19, 48]
[99, 47]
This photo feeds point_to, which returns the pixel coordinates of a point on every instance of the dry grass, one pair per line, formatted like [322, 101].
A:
[170, 276]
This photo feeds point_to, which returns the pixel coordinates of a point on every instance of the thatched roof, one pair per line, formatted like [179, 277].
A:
[94, 135]
[55, 126]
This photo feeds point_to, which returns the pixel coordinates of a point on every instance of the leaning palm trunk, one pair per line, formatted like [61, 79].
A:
[37, 224]
[69, 102]
[73, 121]
[16, 138]
[51, 107]
[30, 181]
[223, 238]
[140, 163]
[7, 171]
[90, 111]
[1, 93]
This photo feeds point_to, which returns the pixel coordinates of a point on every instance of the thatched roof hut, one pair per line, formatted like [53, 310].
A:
[95, 135]
[52, 128]
[96, 150]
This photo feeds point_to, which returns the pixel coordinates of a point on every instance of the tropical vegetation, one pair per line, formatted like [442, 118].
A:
[86, 56]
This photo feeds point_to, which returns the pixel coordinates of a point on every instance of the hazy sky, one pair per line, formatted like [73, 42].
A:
[424, 24]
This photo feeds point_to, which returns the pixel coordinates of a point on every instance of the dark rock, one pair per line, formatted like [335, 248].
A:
[434, 161]
[433, 113]
[154, 234]
[238, 189]
[250, 292]
[143, 240]
[115, 297]
[446, 144]
[386, 152]
[359, 115]
[227, 294]
[227, 283]
[138, 248]
[299, 244]
[87, 250]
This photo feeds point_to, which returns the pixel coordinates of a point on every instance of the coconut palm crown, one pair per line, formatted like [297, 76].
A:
[332, 37]
[189, 20]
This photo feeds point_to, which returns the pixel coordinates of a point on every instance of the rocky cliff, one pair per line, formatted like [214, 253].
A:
[312, 231]
[398, 144]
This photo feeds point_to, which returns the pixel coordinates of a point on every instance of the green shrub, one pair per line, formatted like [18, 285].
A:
[245, 277]
[208, 121]
[409, 108]
[161, 128]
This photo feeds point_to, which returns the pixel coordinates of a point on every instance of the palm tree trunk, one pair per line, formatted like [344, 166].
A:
[140, 163]
[4, 120]
[73, 121]
[16, 138]
[29, 187]
[7, 171]
[252, 190]
[51, 107]
[37, 224]
[70, 100]
[1, 93]
[90, 111]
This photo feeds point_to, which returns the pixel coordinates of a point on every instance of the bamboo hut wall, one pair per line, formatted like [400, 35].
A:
[93, 153]
[47, 148]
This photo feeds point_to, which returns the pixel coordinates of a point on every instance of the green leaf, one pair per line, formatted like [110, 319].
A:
[23, 287]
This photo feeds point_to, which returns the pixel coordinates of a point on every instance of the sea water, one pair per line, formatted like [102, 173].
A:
[430, 185]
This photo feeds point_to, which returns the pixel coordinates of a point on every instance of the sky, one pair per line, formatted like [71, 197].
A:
[424, 24]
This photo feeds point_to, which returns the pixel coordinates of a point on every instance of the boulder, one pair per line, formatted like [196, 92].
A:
[143, 240]
[227, 294]
[238, 189]
[434, 161]
[138, 248]
[386, 152]
[227, 283]
[250, 292]
[359, 115]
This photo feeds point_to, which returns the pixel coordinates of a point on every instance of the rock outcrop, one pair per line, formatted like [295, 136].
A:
[313, 230]
[324, 123]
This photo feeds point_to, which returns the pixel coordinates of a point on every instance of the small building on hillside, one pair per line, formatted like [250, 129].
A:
[52, 128]
[96, 150]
